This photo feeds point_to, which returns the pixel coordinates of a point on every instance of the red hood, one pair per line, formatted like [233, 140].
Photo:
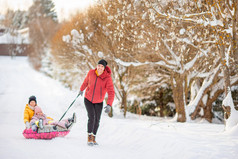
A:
[107, 72]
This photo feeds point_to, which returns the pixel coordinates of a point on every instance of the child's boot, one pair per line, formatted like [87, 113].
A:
[73, 119]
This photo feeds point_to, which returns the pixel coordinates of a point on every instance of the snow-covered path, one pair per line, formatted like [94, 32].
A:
[119, 138]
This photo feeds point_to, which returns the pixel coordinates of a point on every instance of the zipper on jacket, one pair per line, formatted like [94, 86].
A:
[94, 88]
[101, 93]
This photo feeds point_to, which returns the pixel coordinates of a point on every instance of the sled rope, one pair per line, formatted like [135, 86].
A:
[67, 110]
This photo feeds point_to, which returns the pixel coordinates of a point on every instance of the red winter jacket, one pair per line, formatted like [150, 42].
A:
[97, 86]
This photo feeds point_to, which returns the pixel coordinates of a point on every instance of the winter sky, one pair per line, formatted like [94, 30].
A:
[64, 8]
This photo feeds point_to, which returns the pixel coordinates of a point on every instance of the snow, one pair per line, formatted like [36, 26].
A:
[123, 63]
[2, 17]
[7, 38]
[66, 38]
[100, 54]
[136, 136]
[182, 31]
[232, 121]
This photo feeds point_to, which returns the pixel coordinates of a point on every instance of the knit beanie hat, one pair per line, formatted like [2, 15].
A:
[38, 109]
[103, 62]
[32, 98]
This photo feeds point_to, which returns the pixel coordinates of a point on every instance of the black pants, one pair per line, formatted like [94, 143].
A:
[94, 114]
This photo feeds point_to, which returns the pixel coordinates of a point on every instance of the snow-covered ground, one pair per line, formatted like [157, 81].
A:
[119, 138]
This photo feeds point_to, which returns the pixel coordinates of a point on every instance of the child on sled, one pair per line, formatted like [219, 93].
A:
[40, 120]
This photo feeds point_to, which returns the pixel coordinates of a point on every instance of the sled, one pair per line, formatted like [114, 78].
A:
[47, 135]
[48, 132]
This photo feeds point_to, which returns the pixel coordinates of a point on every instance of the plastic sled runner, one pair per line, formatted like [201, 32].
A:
[47, 135]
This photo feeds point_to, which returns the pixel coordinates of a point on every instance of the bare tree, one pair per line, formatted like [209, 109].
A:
[222, 20]
[42, 26]
[171, 42]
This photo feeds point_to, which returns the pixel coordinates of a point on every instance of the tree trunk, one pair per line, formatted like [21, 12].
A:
[226, 73]
[234, 30]
[196, 112]
[124, 102]
[123, 92]
[178, 96]
[162, 110]
[161, 105]
[138, 110]
[208, 111]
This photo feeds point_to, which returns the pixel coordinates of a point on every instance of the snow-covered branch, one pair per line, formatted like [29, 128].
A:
[207, 82]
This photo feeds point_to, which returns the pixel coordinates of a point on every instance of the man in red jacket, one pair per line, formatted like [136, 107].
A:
[97, 83]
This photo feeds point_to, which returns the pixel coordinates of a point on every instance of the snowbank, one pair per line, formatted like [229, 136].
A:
[232, 121]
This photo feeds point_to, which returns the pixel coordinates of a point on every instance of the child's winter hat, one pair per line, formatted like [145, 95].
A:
[32, 98]
[38, 109]
[103, 62]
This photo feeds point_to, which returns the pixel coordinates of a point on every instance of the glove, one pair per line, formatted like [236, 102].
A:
[107, 108]
[80, 92]
[28, 125]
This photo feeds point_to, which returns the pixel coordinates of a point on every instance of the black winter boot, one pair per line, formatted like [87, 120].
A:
[73, 119]
[68, 125]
